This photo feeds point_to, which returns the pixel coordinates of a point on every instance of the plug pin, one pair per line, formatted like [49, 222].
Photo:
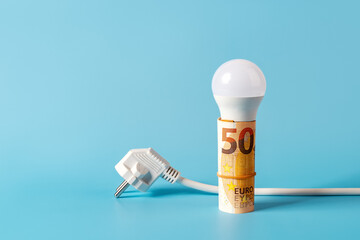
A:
[123, 186]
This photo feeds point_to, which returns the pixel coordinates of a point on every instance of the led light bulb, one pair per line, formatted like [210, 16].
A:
[238, 86]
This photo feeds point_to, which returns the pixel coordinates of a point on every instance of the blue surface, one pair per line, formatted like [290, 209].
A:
[82, 82]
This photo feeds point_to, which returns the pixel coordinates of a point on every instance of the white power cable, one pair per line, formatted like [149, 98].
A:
[196, 185]
[277, 191]
[308, 191]
[141, 167]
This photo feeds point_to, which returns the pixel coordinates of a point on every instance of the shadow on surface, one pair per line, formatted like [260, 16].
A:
[276, 202]
[161, 192]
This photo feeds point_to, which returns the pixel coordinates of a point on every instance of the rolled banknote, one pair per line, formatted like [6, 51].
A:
[236, 166]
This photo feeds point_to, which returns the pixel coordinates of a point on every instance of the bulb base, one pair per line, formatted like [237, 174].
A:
[242, 109]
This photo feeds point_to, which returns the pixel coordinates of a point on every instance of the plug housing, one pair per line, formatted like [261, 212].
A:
[141, 167]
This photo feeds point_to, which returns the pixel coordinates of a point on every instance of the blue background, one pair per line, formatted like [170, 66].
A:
[82, 82]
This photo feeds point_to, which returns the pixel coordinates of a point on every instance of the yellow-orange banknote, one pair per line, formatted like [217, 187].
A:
[236, 166]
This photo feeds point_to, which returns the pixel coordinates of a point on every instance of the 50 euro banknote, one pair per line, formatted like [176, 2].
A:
[236, 166]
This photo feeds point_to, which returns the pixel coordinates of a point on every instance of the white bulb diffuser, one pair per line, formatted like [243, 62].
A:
[238, 86]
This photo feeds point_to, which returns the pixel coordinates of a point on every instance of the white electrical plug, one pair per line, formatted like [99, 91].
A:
[141, 167]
